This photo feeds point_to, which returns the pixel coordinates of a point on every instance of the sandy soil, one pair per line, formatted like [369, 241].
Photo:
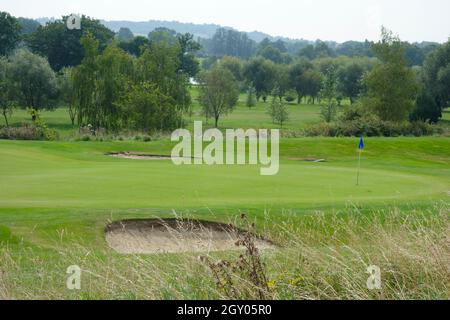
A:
[308, 159]
[138, 156]
[172, 236]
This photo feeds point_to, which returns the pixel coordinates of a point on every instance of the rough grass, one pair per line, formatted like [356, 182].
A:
[320, 256]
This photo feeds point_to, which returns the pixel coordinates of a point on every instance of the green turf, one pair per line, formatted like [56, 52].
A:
[47, 186]
[43, 174]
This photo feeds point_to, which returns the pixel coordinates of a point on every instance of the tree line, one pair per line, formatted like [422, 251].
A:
[117, 81]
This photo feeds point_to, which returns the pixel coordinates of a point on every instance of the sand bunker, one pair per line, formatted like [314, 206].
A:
[138, 156]
[173, 236]
[308, 159]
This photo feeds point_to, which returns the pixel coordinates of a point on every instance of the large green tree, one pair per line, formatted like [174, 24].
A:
[9, 33]
[160, 64]
[135, 46]
[261, 73]
[6, 90]
[67, 92]
[124, 35]
[99, 83]
[147, 108]
[350, 80]
[275, 55]
[297, 79]
[436, 74]
[281, 82]
[311, 81]
[163, 34]
[227, 42]
[188, 48]
[62, 46]
[328, 95]
[391, 86]
[35, 80]
[114, 89]
[234, 65]
[219, 92]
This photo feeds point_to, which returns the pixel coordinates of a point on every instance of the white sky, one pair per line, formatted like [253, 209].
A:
[339, 20]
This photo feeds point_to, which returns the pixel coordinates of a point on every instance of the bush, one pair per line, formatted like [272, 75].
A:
[36, 131]
[290, 96]
[25, 132]
[352, 112]
[44, 131]
[321, 129]
[372, 126]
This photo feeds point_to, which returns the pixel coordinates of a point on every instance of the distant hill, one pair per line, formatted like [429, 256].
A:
[205, 31]
[142, 28]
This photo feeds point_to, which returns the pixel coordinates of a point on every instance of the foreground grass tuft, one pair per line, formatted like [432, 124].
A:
[319, 256]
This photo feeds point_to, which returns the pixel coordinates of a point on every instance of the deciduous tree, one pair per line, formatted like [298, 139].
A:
[62, 46]
[219, 92]
[328, 95]
[261, 73]
[6, 90]
[35, 80]
[391, 85]
[9, 33]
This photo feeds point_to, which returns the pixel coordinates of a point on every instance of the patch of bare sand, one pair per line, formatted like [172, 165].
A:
[308, 159]
[138, 156]
[173, 236]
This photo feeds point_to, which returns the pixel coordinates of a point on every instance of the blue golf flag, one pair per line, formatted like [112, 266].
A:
[361, 144]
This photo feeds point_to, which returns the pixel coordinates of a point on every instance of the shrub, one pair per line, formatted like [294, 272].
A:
[44, 131]
[321, 129]
[352, 112]
[36, 131]
[25, 132]
[372, 126]
[290, 96]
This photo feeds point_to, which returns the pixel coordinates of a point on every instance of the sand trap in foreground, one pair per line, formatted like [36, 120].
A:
[173, 236]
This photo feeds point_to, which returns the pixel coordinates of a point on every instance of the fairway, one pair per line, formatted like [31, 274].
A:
[80, 175]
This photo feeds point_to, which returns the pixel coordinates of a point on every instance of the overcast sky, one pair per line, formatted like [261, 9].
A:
[339, 20]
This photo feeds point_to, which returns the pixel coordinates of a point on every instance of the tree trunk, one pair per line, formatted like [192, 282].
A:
[6, 118]
[216, 121]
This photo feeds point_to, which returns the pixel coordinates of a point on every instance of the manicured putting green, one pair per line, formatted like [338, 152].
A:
[79, 175]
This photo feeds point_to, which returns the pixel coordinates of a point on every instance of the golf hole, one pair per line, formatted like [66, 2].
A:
[174, 236]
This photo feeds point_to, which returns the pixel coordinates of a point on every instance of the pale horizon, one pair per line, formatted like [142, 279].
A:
[327, 20]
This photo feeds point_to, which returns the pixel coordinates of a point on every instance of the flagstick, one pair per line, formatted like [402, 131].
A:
[359, 167]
